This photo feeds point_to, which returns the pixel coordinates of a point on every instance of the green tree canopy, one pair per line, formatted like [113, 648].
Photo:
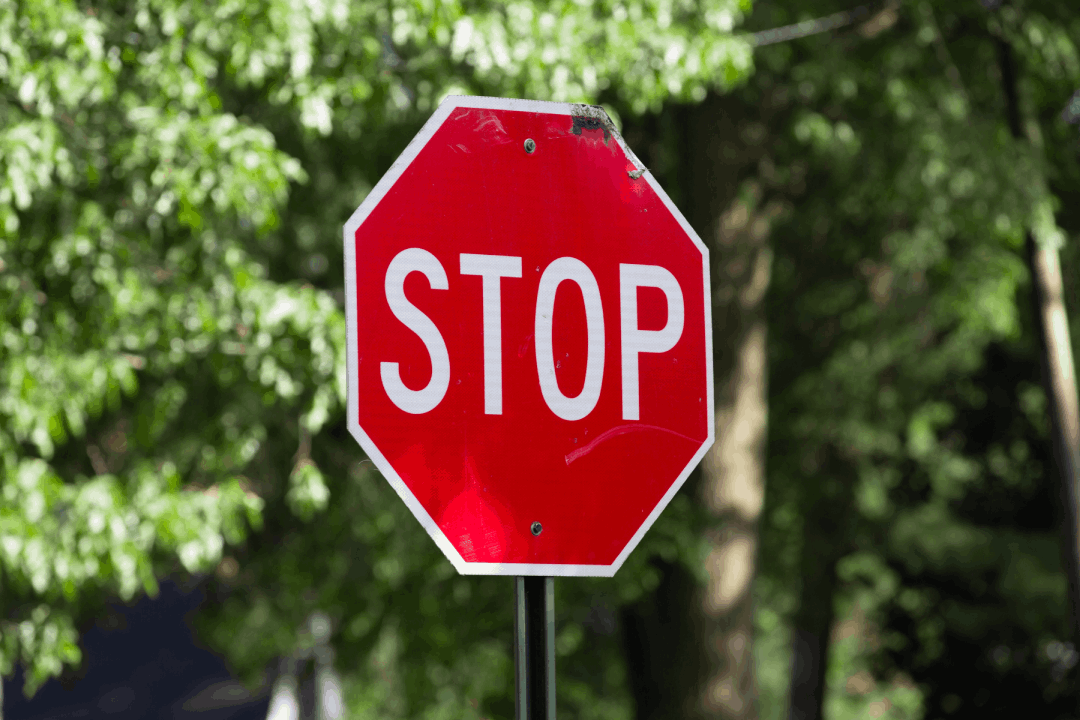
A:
[173, 177]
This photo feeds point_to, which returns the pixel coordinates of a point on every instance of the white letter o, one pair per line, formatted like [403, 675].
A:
[569, 408]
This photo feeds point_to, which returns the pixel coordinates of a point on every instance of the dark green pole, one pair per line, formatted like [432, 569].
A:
[534, 648]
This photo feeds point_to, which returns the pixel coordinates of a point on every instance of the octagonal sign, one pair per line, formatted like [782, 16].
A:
[530, 353]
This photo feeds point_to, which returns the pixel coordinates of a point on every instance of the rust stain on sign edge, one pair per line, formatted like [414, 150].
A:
[591, 117]
[594, 117]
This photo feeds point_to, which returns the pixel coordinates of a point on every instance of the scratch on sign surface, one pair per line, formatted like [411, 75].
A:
[615, 432]
[491, 119]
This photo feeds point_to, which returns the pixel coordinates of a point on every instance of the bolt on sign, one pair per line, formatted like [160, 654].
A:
[530, 353]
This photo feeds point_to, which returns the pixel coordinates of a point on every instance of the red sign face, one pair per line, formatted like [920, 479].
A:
[530, 355]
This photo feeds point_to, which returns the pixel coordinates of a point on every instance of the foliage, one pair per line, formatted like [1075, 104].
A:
[174, 178]
[141, 343]
[902, 343]
[172, 335]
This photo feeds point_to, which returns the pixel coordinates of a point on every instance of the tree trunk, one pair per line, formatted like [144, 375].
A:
[657, 633]
[829, 502]
[1058, 370]
[690, 644]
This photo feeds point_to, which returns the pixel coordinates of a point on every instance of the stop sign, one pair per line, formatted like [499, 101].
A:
[530, 353]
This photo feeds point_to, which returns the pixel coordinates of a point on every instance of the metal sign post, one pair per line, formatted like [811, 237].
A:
[534, 648]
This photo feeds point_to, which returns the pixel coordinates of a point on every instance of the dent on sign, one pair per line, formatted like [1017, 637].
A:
[492, 269]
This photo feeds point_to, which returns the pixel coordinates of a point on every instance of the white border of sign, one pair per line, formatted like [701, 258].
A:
[353, 405]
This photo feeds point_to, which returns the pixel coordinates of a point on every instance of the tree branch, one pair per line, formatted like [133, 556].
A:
[875, 23]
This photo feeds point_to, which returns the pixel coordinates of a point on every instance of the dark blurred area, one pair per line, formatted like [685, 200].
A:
[141, 661]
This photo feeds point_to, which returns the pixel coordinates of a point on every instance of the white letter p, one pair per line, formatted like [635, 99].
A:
[636, 340]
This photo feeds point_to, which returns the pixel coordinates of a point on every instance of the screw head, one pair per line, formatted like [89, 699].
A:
[537, 528]
[530, 145]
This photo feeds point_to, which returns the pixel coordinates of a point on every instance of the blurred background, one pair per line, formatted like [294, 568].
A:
[883, 529]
